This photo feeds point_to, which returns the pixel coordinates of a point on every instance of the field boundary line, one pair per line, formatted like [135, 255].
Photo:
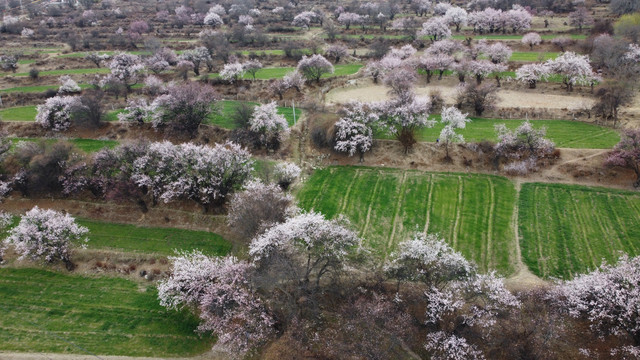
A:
[428, 211]
[322, 187]
[458, 212]
[401, 195]
[345, 199]
[368, 218]
[488, 257]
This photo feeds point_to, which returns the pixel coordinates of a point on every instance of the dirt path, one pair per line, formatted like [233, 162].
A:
[369, 92]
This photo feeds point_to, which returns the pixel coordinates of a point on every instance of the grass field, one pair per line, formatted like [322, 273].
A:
[63, 72]
[28, 113]
[472, 212]
[86, 145]
[45, 311]
[532, 56]
[37, 88]
[564, 133]
[131, 238]
[224, 118]
[19, 113]
[280, 72]
[567, 229]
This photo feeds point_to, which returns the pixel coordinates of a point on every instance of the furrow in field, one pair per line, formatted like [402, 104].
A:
[346, 195]
[458, 212]
[428, 207]
[583, 228]
[394, 223]
[488, 257]
[365, 227]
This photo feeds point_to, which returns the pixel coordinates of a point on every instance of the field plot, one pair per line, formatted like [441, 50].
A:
[280, 72]
[131, 238]
[566, 230]
[86, 145]
[564, 133]
[45, 311]
[472, 212]
[224, 118]
[29, 112]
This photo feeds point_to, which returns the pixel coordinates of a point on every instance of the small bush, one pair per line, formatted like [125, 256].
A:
[34, 73]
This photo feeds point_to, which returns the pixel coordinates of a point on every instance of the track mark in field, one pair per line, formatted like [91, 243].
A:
[322, 188]
[426, 224]
[585, 239]
[610, 235]
[542, 260]
[394, 223]
[373, 196]
[345, 199]
[621, 224]
[584, 138]
[458, 213]
[488, 259]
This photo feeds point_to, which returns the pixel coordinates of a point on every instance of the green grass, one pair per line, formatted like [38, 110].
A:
[224, 118]
[532, 56]
[280, 72]
[515, 37]
[131, 238]
[38, 88]
[567, 229]
[19, 113]
[63, 72]
[564, 133]
[473, 213]
[28, 113]
[86, 145]
[110, 53]
[51, 312]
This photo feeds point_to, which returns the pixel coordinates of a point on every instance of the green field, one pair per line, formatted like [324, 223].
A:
[224, 118]
[28, 113]
[37, 88]
[564, 133]
[19, 113]
[532, 56]
[473, 213]
[63, 72]
[46, 311]
[86, 145]
[164, 241]
[515, 37]
[567, 230]
[280, 72]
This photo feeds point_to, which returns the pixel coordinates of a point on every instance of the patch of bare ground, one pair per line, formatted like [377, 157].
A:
[518, 97]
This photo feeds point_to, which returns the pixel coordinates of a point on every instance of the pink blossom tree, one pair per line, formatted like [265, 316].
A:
[314, 66]
[562, 42]
[213, 18]
[453, 119]
[354, 130]
[580, 18]
[431, 63]
[184, 107]
[436, 29]
[337, 52]
[517, 19]
[532, 39]
[293, 80]
[522, 147]
[138, 112]
[285, 174]
[97, 58]
[57, 112]
[271, 126]
[46, 235]
[304, 19]
[196, 56]
[627, 153]
[136, 29]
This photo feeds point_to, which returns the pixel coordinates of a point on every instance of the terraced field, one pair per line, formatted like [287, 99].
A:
[472, 212]
[564, 133]
[224, 118]
[86, 145]
[566, 229]
[46, 311]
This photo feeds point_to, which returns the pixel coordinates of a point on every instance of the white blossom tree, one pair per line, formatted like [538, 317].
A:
[456, 16]
[232, 72]
[46, 235]
[126, 69]
[436, 28]
[354, 130]
[574, 69]
[609, 297]
[314, 66]
[286, 173]
[401, 117]
[348, 18]
[272, 127]
[532, 73]
[453, 119]
[68, 85]
[252, 67]
[532, 39]
[57, 112]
